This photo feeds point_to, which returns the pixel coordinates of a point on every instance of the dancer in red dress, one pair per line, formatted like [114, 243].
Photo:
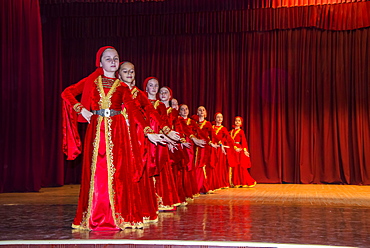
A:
[127, 76]
[168, 197]
[110, 195]
[191, 130]
[225, 157]
[203, 162]
[240, 176]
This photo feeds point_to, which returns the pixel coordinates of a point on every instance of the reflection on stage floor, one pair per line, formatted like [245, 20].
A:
[336, 215]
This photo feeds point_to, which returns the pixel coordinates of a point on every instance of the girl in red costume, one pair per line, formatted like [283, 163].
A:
[240, 176]
[180, 156]
[203, 163]
[225, 156]
[110, 195]
[191, 130]
[166, 189]
[126, 74]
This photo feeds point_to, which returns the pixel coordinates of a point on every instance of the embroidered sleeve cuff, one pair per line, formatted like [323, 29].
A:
[183, 140]
[245, 149]
[78, 107]
[148, 130]
[235, 147]
[192, 136]
[166, 130]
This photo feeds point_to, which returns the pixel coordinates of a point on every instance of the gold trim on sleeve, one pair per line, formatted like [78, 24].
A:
[78, 107]
[148, 130]
[166, 130]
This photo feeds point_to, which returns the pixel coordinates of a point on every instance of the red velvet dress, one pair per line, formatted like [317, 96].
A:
[203, 163]
[110, 196]
[165, 186]
[224, 161]
[150, 206]
[240, 175]
[190, 128]
[179, 156]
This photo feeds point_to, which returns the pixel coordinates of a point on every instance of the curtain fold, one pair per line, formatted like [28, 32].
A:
[22, 98]
[81, 21]
[216, 5]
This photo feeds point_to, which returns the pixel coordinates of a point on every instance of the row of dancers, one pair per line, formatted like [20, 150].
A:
[142, 153]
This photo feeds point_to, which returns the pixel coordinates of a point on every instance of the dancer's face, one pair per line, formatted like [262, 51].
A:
[164, 94]
[175, 104]
[184, 111]
[152, 87]
[127, 73]
[202, 112]
[219, 118]
[238, 122]
[109, 60]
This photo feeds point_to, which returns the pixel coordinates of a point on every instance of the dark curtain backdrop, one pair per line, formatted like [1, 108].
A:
[21, 97]
[299, 76]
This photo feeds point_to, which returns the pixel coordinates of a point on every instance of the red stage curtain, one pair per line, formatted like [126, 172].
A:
[299, 76]
[300, 84]
[211, 3]
[127, 20]
[22, 96]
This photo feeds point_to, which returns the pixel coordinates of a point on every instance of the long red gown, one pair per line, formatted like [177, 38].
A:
[224, 161]
[150, 204]
[110, 195]
[165, 186]
[203, 162]
[179, 157]
[240, 175]
[190, 128]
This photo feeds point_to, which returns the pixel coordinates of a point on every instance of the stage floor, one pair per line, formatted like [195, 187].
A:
[336, 215]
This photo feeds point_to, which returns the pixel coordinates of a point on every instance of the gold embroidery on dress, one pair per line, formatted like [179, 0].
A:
[188, 121]
[169, 110]
[202, 124]
[105, 103]
[233, 134]
[218, 129]
[134, 92]
[156, 104]
[124, 113]
[87, 213]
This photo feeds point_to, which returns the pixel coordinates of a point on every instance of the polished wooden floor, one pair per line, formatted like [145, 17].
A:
[269, 215]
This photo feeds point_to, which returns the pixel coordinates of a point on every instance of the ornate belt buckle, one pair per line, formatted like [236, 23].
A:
[106, 112]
